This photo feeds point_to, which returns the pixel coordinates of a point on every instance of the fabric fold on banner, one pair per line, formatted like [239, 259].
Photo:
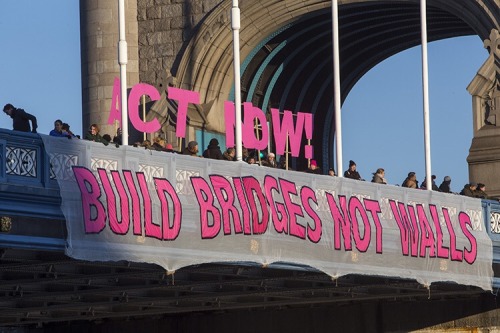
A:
[175, 210]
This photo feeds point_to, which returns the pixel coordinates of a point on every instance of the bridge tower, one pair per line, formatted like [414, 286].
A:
[484, 153]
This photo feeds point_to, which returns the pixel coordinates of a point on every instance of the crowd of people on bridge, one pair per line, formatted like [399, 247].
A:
[25, 122]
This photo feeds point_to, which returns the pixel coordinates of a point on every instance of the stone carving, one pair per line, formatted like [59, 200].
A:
[491, 99]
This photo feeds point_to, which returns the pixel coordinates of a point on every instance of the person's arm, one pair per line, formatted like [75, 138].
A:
[31, 117]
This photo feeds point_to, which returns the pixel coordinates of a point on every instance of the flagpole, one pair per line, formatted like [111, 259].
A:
[425, 84]
[122, 60]
[336, 87]
[235, 25]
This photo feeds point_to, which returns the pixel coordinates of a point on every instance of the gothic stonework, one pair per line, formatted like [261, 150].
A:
[285, 48]
[484, 153]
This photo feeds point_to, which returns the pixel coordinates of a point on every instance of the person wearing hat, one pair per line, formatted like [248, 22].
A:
[379, 176]
[423, 186]
[191, 149]
[20, 119]
[213, 150]
[411, 181]
[469, 189]
[313, 168]
[445, 185]
[352, 172]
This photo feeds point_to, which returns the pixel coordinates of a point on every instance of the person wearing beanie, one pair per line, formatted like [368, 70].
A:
[213, 150]
[191, 149]
[445, 185]
[352, 172]
[313, 168]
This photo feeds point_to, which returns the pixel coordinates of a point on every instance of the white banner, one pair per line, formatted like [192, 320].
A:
[174, 210]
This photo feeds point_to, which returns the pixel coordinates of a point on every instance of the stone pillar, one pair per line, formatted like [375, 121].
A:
[484, 153]
[99, 52]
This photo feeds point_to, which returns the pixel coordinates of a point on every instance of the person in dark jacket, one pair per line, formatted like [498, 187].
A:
[93, 135]
[21, 119]
[445, 185]
[469, 190]
[314, 168]
[191, 149]
[352, 172]
[213, 150]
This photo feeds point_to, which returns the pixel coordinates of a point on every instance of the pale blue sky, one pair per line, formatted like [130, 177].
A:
[382, 116]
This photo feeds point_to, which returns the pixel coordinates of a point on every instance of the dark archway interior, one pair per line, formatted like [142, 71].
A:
[294, 70]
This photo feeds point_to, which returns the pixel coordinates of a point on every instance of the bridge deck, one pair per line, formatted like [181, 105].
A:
[40, 284]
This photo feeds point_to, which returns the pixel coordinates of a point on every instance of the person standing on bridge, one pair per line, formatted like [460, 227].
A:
[379, 176]
[20, 119]
[352, 172]
[411, 181]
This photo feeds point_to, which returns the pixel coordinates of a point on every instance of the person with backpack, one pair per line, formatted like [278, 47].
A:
[20, 119]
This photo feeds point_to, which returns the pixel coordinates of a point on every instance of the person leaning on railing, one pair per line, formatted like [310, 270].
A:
[20, 119]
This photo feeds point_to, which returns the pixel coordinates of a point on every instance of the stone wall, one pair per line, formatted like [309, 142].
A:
[165, 28]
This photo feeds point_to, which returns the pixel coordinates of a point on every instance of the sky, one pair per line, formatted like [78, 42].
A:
[382, 117]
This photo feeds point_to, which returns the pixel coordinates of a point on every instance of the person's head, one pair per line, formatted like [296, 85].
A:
[231, 152]
[412, 175]
[8, 109]
[481, 187]
[94, 129]
[193, 147]
[380, 171]
[58, 125]
[331, 172]
[271, 156]
[447, 179]
[65, 126]
[352, 165]
[169, 146]
[214, 142]
[107, 137]
[313, 165]
[473, 186]
[251, 160]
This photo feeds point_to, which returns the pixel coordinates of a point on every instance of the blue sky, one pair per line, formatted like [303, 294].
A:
[382, 116]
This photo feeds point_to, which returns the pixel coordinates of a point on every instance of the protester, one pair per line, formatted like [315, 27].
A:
[446, 185]
[20, 119]
[480, 192]
[379, 176]
[469, 189]
[352, 172]
[58, 130]
[93, 135]
[191, 149]
[66, 128]
[229, 154]
[314, 168]
[213, 150]
[423, 186]
[331, 172]
[270, 161]
[411, 181]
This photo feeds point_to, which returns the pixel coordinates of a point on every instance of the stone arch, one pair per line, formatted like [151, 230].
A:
[370, 32]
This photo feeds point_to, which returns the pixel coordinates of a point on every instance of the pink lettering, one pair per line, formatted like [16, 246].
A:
[94, 214]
